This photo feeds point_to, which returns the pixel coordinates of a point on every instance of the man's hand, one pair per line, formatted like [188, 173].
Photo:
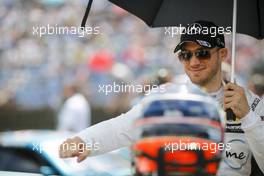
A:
[235, 98]
[74, 147]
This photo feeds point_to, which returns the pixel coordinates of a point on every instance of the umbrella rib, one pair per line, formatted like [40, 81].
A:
[152, 21]
[86, 13]
[259, 19]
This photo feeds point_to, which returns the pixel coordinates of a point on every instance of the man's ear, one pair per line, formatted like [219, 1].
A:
[223, 53]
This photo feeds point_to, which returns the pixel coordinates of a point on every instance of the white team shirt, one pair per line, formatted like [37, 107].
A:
[119, 132]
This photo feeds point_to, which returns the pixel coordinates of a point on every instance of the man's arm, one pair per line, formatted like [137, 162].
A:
[253, 126]
[241, 103]
[114, 133]
[104, 137]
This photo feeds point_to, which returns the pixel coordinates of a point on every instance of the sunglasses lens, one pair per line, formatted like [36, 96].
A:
[185, 55]
[203, 54]
[200, 54]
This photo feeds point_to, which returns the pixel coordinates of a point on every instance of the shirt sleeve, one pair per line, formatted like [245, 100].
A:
[112, 134]
[253, 126]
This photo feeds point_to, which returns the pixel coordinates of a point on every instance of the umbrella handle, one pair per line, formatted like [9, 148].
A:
[230, 115]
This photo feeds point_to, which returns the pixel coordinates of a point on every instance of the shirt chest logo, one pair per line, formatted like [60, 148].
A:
[238, 154]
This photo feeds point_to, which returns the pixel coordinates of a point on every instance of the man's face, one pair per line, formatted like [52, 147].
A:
[202, 71]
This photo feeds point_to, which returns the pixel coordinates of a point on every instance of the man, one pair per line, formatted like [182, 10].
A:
[75, 114]
[201, 55]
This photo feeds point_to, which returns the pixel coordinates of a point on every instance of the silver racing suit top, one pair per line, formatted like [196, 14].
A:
[245, 136]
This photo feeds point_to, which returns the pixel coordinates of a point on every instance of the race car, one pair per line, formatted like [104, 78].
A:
[36, 152]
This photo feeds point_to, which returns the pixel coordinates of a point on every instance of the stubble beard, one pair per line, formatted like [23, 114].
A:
[203, 82]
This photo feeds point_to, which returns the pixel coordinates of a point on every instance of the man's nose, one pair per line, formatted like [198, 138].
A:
[194, 61]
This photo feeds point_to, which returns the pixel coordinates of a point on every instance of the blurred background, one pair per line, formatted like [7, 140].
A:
[34, 71]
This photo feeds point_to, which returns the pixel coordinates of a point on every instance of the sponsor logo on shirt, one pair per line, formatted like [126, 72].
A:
[233, 128]
[255, 103]
[238, 155]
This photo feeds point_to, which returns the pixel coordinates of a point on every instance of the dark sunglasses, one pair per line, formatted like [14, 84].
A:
[201, 54]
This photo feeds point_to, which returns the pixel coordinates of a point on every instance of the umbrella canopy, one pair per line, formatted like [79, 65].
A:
[160, 13]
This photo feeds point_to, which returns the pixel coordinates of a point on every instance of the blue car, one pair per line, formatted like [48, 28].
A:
[36, 151]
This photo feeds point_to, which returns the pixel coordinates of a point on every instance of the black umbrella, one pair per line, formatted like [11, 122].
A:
[246, 16]
[160, 13]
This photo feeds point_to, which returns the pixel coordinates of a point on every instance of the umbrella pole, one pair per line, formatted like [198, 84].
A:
[229, 112]
[233, 41]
